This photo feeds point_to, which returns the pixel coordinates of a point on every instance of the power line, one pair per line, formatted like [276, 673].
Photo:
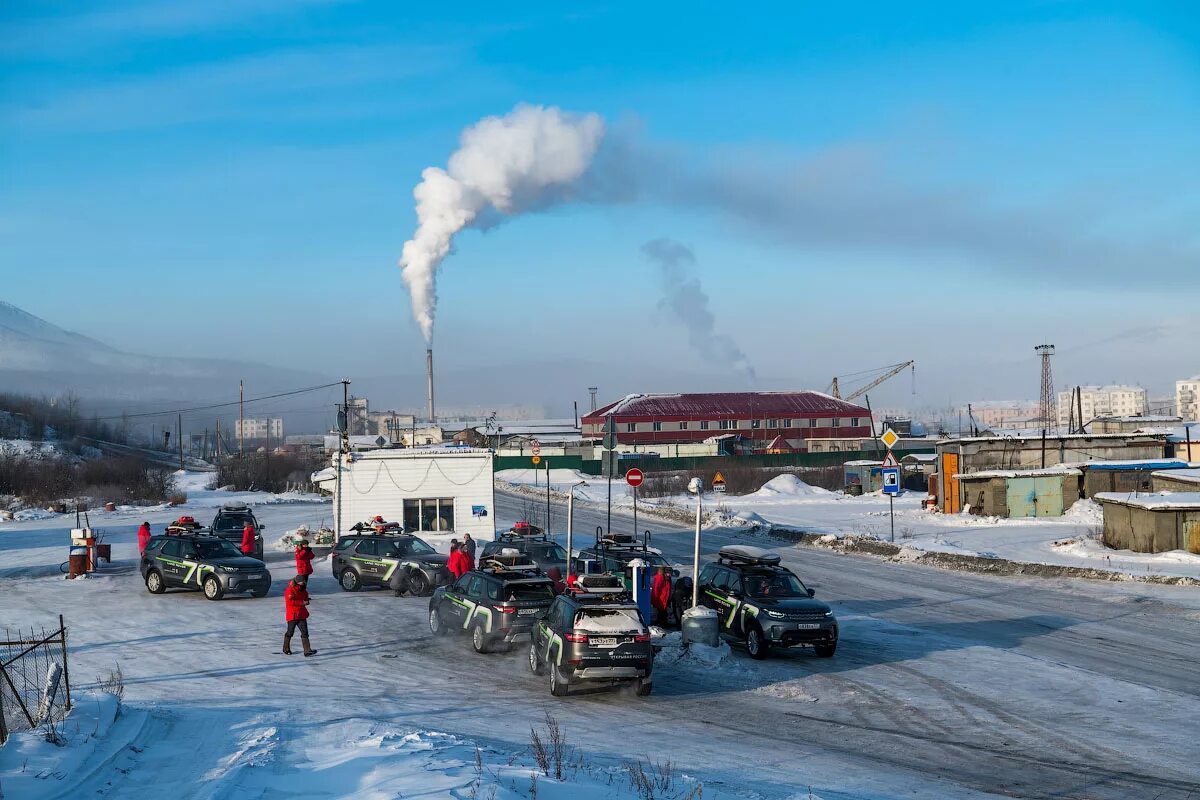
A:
[218, 405]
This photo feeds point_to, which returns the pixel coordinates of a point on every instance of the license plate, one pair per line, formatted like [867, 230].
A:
[808, 626]
[253, 576]
[603, 641]
[524, 611]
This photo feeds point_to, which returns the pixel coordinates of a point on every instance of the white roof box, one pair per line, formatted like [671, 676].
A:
[745, 554]
[235, 507]
[596, 583]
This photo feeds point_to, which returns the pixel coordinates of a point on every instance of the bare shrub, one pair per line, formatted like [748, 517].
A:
[652, 780]
[267, 472]
[549, 748]
[113, 683]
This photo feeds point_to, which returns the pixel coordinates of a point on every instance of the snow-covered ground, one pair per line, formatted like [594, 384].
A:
[786, 501]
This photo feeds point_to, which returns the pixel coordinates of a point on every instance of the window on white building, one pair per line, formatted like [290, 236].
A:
[725, 424]
[435, 514]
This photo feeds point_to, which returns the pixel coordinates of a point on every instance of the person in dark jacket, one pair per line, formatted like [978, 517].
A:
[660, 595]
[143, 537]
[295, 604]
[248, 540]
[458, 564]
[468, 547]
[304, 557]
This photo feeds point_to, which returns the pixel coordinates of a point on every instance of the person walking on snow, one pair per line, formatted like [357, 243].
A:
[295, 604]
[660, 596]
[304, 557]
[143, 537]
[458, 564]
[248, 540]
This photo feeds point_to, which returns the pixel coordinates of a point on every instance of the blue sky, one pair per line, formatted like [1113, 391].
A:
[252, 163]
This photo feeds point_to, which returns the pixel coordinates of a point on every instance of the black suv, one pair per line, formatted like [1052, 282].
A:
[231, 520]
[202, 561]
[532, 543]
[765, 605]
[401, 562]
[498, 603]
[593, 637]
[612, 553]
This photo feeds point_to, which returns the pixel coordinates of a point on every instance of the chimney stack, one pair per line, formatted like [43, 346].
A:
[429, 378]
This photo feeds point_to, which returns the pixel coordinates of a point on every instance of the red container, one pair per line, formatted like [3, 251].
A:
[104, 551]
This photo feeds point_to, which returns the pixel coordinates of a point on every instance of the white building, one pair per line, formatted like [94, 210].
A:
[259, 428]
[1006, 414]
[439, 493]
[1102, 401]
[1187, 398]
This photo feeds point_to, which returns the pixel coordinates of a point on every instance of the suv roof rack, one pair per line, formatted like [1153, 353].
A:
[507, 560]
[235, 506]
[745, 554]
[621, 541]
[600, 585]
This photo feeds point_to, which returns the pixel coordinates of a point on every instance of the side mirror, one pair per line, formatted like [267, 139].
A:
[675, 573]
[735, 594]
[812, 592]
[262, 527]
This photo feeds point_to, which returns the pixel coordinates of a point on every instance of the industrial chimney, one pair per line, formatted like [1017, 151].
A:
[429, 378]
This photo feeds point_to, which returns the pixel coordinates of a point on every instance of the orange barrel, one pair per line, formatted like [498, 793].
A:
[104, 551]
[78, 562]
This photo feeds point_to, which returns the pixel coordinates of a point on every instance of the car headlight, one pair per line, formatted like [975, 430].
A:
[829, 613]
[227, 570]
[776, 614]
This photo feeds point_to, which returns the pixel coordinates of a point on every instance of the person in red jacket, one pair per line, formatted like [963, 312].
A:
[458, 564]
[295, 604]
[248, 540]
[143, 537]
[660, 595]
[304, 557]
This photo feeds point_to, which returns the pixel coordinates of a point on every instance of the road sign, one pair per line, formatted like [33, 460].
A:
[891, 480]
[536, 460]
[537, 447]
[889, 438]
[890, 460]
[610, 433]
[718, 482]
[634, 477]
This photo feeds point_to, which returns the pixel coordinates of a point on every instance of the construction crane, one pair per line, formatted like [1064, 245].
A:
[889, 371]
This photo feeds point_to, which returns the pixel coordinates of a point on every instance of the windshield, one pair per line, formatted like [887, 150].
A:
[781, 584]
[530, 591]
[217, 549]
[416, 547]
[547, 552]
[227, 522]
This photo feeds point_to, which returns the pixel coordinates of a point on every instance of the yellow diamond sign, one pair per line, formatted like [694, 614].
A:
[889, 438]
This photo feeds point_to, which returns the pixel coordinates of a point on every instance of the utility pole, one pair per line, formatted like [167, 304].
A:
[547, 495]
[343, 452]
[241, 418]
[217, 450]
[179, 438]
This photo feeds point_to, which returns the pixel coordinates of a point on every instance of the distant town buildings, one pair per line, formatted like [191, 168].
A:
[1001, 414]
[1100, 401]
[1187, 404]
[259, 428]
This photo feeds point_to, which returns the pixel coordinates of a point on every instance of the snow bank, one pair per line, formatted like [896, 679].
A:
[791, 486]
[674, 654]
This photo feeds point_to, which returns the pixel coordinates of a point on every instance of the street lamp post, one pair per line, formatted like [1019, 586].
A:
[694, 486]
[571, 524]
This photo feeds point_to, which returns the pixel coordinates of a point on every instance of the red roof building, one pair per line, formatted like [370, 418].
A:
[756, 416]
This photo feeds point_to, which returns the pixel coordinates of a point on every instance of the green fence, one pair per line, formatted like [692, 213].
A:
[685, 463]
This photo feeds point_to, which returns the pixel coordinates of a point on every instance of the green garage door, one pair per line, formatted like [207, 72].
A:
[1035, 497]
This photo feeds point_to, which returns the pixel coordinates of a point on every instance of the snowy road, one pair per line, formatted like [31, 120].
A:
[945, 685]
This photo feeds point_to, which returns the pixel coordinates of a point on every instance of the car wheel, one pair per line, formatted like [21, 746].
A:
[418, 585]
[154, 582]
[436, 626]
[479, 640]
[756, 644]
[535, 663]
[260, 592]
[826, 650]
[212, 588]
[644, 687]
[558, 684]
[349, 581]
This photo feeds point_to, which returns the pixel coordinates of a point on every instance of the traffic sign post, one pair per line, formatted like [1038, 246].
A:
[634, 478]
[718, 483]
[891, 487]
[547, 528]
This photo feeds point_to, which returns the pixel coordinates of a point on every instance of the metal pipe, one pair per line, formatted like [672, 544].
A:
[696, 556]
[429, 380]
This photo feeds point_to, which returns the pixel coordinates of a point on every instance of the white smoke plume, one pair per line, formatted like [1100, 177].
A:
[528, 159]
[684, 298]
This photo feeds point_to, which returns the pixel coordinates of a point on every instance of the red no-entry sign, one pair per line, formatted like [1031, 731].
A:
[634, 477]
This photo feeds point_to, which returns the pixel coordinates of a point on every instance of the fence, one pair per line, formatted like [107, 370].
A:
[714, 463]
[35, 685]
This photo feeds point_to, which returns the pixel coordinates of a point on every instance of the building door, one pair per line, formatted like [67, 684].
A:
[1022, 497]
[947, 469]
[1049, 496]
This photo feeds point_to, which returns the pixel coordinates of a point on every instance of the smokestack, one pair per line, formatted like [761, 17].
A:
[429, 378]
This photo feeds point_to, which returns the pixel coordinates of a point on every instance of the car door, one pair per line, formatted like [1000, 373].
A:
[366, 562]
[389, 558]
[454, 606]
[477, 602]
[709, 593]
[169, 561]
[193, 568]
[541, 631]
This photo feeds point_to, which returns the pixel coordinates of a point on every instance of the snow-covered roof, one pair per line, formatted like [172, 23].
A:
[1151, 418]
[1019, 473]
[930, 457]
[1157, 501]
[1032, 436]
[1182, 475]
[863, 463]
[728, 405]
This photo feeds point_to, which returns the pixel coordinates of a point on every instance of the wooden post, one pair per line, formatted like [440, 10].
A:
[62, 630]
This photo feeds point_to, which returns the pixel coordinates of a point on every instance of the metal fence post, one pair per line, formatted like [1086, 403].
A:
[62, 630]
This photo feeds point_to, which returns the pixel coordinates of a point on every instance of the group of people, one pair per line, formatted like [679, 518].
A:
[462, 556]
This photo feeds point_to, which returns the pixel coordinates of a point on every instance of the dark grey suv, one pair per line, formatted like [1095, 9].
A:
[202, 562]
[594, 637]
[401, 562]
[231, 520]
[497, 604]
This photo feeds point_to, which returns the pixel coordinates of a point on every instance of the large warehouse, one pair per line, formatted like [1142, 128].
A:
[757, 416]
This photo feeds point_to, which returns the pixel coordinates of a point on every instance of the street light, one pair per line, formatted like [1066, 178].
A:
[571, 523]
[696, 487]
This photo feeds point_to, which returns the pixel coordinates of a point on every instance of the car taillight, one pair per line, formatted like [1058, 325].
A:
[507, 609]
[575, 637]
[641, 637]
